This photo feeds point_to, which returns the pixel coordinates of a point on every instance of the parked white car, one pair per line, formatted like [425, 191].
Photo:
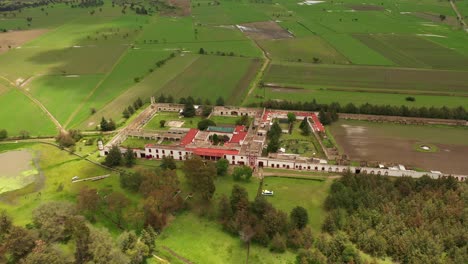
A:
[267, 192]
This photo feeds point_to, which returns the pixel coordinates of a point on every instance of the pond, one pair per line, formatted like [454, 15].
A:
[17, 170]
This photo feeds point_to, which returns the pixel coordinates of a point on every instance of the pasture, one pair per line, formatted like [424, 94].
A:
[20, 114]
[371, 78]
[210, 77]
[62, 94]
[307, 49]
[395, 144]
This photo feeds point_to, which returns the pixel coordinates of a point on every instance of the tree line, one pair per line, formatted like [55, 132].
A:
[410, 220]
[56, 223]
[443, 112]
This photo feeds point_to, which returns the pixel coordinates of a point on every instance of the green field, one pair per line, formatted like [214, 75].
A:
[20, 114]
[61, 95]
[371, 78]
[212, 77]
[303, 49]
[413, 51]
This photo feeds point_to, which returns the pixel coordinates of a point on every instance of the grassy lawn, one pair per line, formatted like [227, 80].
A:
[172, 116]
[203, 241]
[290, 193]
[136, 143]
[224, 120]
[297, 143]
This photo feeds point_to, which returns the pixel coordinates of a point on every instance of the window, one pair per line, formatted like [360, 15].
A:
[233, 157]
[171, 152]
[157, 151]
[150, 150]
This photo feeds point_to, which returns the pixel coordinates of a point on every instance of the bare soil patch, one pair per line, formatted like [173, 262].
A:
[264, 30]
[360, 143]
[179, 8]
[366, 7]
[449, 20]
[175, 123]
[13, 39]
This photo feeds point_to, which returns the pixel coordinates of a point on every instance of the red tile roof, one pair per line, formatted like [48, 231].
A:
[317, 125]
[239, 134]
[214, 152]
[189, 137]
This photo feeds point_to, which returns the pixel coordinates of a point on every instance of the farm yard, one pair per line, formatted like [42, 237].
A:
[73, 65]
[400, 144]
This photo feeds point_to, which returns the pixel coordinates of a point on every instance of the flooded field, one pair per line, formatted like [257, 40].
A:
[392, 143]
[16, 170]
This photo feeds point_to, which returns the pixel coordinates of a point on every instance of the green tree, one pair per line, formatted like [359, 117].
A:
[291, 117]
[161, 99]
[129, 158]
[200, 176]
[205, 123]
[103, 249]
[224, 210]
[131, 181]
[243, 121]
[220, 101]
[88, 202]
[222, 166]
[278, 244]
[324, 118]
[242, 173]
[42, 253]
[299, 217]
[312, 256]
[104, 125]
[65, 139]
[130, 110]
[125, 113]
[49, 219]
[201, 51]
[207, 109]
[168, 163]
[189, 110]
[114, 158]
[162, 123]
[19, 242]
[238, 194]
[3, 134]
